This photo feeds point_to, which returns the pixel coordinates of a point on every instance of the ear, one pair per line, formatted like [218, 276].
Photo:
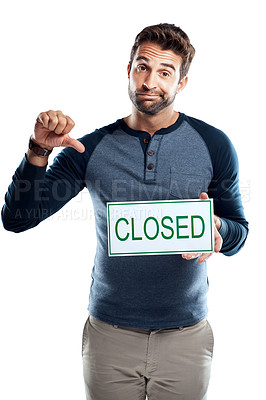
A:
[182, 84]
[128, 69]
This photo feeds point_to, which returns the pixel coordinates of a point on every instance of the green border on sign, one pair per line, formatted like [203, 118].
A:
[160, 202]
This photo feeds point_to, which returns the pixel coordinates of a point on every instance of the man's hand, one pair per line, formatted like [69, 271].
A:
[217, 238]
[52, 129]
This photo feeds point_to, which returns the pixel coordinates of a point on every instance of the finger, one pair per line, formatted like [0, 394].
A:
[43, 119]
[204, 257]
[76, 144]
[62, 123]
[217, 222]
[217, 237]
[190, 256]
[70, 124]
[53, 120]
[218, 241]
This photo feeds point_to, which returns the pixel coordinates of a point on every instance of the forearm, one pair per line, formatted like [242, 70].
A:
[34, 193]
[23, 197]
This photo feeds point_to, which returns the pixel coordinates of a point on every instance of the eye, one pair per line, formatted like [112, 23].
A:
[141, 68]
[165, 74]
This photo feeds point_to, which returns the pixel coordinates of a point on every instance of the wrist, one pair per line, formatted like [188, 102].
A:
[39, 149]
[38, 154]
[33, 159]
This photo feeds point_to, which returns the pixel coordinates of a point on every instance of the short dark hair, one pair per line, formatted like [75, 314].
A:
[168, 37]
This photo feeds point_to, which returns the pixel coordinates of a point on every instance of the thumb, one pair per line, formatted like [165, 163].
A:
[76, 144]
[204, 196]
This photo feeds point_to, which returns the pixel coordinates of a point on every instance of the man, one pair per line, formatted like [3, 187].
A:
[147, 331]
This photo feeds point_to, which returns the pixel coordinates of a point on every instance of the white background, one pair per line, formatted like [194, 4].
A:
[72, 56]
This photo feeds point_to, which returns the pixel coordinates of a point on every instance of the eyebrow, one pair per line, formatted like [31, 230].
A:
[163, 64]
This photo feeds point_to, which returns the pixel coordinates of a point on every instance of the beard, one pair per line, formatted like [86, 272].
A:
[152, 106]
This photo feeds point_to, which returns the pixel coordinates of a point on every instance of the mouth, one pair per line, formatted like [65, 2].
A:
[148, 96]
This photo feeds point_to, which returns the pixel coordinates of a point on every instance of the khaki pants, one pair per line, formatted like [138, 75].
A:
[165, 364]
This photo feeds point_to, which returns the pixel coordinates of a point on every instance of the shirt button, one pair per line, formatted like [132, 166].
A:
[150, 152]
[146, 141]
[150, 166]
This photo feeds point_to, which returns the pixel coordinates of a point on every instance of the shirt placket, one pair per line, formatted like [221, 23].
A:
[151, 159]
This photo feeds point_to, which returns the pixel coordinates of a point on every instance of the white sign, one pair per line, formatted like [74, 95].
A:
[160, 227]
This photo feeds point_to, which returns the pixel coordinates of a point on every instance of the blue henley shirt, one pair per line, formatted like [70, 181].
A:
[122, 164]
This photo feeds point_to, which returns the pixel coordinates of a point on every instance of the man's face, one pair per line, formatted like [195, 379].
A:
[153, 78]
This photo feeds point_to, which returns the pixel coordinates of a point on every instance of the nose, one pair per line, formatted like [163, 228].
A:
[150, 81]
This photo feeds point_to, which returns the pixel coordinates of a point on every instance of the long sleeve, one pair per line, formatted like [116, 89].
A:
[224, 186]
[228, 206]
[36, 193]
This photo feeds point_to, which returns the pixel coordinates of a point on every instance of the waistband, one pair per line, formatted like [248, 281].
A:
[146, 330]
[143, 330]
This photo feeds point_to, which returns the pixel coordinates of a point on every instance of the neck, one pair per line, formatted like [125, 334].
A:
[151, 123]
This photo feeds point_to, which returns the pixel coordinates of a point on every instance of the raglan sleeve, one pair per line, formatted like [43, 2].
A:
[36, 193]
[224, 189]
